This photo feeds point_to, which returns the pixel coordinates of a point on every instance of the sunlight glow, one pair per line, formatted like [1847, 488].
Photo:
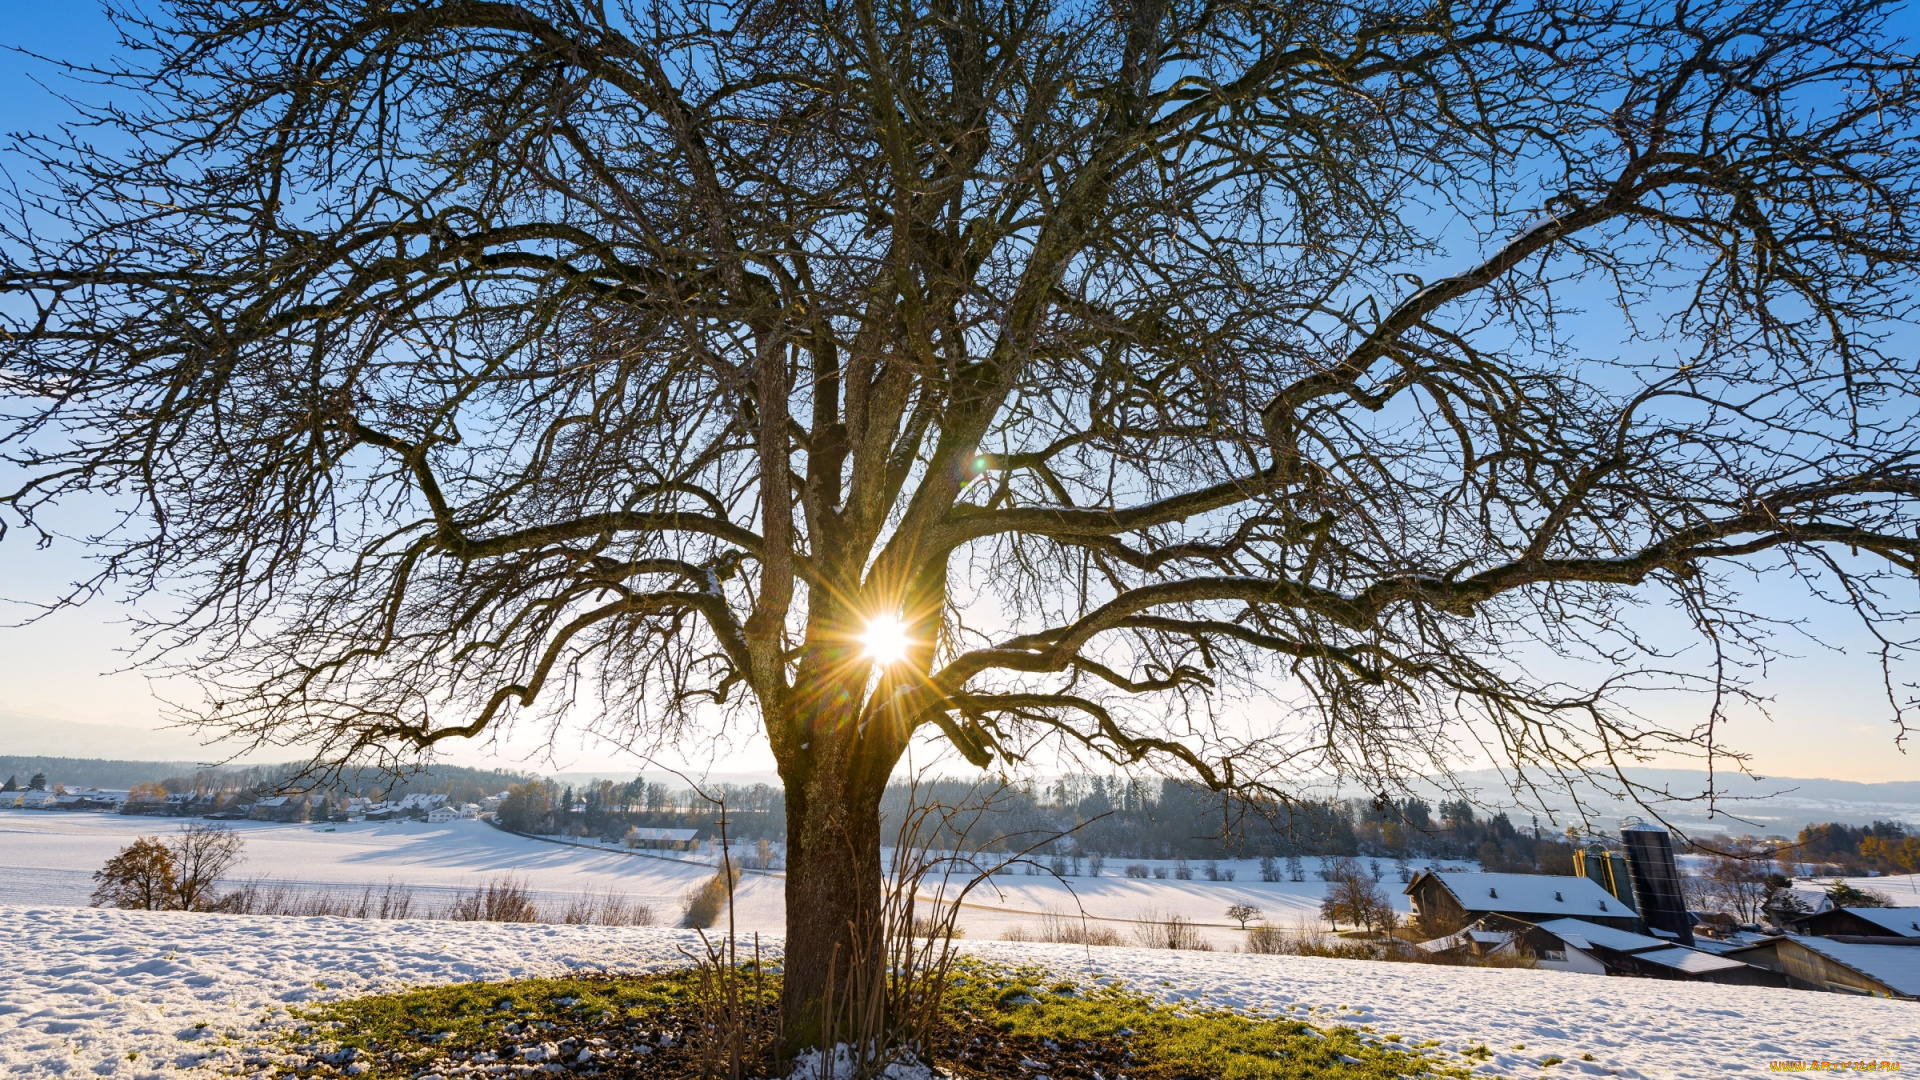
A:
[885, 641]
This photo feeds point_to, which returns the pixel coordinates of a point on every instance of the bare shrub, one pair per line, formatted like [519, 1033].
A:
[1137, 870]
[1064, 928]
[503, 899]
[1264, 939]
[265, 897]
[937, 925]
[1170, 930]
[605, 909]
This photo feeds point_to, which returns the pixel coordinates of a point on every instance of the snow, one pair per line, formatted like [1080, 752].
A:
[48, 858]
[817, 1065]
[137, 994]
[83, 989]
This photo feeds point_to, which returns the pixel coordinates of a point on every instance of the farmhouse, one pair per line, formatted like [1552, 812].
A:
[1444, 897]
[1890, 969]
[1589, 948]
[661, 839]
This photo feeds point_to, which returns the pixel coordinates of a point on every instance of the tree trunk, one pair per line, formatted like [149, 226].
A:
[833, 886]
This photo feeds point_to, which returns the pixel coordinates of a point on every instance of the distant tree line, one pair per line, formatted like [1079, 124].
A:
[608, 808]
[1123, 818]
[1884, 847]
[1111, 817]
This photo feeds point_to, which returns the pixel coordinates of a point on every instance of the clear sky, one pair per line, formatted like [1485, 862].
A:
[1830, 717]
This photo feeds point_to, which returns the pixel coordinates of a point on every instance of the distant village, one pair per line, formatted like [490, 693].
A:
[1626, 911]
[227, 805]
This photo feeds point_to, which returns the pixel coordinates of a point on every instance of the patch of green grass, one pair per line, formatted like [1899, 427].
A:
[1159, 1040]
[395, 1032]
[998, 1015]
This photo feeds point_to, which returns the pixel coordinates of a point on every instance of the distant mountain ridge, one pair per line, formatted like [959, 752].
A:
[1763, 805]
[114, 774]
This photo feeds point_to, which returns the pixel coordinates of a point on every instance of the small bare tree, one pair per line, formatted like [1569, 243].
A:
[995, 371]
[1354, 897]
[1243, 914]
[1736, 878]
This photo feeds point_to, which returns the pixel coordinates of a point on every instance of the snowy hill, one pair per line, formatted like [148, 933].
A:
[138, 994]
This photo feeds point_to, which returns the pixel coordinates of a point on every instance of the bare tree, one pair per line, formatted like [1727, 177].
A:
[203, 855]
[1243, 914]
[1736, 879]
[1000, 371]
[1354, 897]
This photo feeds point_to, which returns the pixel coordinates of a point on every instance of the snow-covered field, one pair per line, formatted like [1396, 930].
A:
[49, 858]
[139, 994]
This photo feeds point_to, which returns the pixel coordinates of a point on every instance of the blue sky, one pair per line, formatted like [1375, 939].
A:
[1829, 716]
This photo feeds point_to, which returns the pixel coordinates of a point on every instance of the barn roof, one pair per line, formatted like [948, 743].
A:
[1528, 894]
[1691, 961]
[681, 835]
[1580, 933]
[1899, 921]
[1897, 966]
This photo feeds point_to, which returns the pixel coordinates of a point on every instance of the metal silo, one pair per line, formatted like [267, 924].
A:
[1607, 869]
[1656, 880]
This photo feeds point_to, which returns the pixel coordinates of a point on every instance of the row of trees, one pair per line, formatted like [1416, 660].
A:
[1884, 847]
[1111, 817]
[1125, 818]
[609, 809]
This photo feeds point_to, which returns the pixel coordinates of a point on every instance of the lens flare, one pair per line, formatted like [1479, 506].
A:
[885, 641]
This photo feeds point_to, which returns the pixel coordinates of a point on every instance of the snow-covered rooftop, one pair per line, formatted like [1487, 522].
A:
[678, 835]
[1579, 932]
[1896, 965]
[1530, 893]
[1692, 961]
[1903, 921]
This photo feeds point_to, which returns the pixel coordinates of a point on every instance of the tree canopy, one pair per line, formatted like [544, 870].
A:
[455, 360]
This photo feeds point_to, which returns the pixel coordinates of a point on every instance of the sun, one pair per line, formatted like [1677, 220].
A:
[885, 641]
